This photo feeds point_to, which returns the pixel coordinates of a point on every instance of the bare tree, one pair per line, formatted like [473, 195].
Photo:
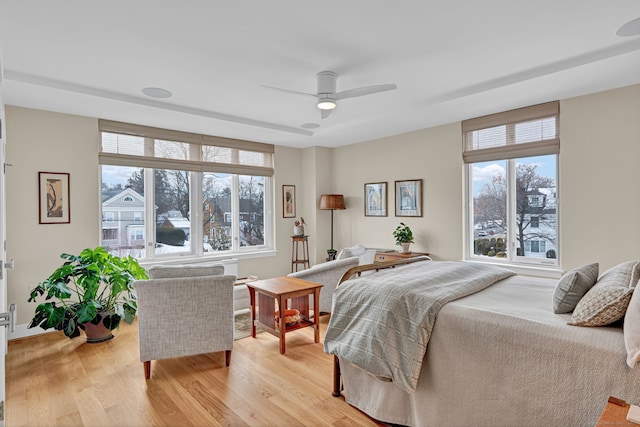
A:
[535, 202]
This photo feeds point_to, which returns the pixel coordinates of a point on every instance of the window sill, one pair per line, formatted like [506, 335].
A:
[527, 270]
[193, 259]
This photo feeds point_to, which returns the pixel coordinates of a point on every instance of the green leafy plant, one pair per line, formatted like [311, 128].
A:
[403, 234]
[93, 286]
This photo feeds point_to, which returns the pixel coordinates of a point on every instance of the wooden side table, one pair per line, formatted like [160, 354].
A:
[295, 252]
[394, 256]
[615, 414]
[287, 292]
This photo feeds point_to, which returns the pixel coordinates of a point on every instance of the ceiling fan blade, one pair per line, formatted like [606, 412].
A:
[366, 90]
[290, 91]
[325, 113]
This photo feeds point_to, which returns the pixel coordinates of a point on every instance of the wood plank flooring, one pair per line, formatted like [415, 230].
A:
[54, 381]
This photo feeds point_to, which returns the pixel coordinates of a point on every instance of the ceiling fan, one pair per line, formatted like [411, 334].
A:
[328, 97]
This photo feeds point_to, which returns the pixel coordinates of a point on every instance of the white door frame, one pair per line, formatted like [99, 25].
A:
[3, 247]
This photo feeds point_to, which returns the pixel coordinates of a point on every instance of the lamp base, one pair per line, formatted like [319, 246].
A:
[331, 254]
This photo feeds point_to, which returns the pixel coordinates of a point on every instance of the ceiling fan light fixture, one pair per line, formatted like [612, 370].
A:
[326, 104]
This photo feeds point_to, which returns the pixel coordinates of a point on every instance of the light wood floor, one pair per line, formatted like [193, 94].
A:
[54, 381]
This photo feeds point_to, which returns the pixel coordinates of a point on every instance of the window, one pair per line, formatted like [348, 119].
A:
[109, 234]
[535, 222]
[109, 217]
[178, 180]
[512, 163]
[535, 246]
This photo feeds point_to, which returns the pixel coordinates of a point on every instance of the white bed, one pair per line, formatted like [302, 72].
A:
[500, 357]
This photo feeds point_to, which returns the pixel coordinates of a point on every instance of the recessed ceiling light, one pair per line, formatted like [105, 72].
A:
[310, 125]
[631, 28]
[156, 92]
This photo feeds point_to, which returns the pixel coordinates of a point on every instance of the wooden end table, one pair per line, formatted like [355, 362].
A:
[288, 292]
[615, 414]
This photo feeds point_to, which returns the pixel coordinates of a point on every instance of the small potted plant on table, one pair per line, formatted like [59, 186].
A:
[90, 291]
[298, 227]
[404, 237]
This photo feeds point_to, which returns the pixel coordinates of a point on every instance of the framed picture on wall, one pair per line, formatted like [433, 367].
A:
[375, 199]
[53, 198]
[288, 201]
[409, 197]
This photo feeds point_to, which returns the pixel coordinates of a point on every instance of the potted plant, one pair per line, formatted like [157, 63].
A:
[298, 227]
[90, 291]
[403, 236]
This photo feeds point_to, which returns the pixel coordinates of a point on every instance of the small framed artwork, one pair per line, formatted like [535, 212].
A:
[288, 201]
[409, 197]
[53, 198]
[375, 199]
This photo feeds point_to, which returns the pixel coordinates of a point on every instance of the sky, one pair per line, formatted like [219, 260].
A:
[484, 172]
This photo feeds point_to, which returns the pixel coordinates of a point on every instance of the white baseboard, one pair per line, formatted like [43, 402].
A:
[21, 331]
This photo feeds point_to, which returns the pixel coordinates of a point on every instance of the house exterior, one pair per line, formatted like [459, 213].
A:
[123, 220]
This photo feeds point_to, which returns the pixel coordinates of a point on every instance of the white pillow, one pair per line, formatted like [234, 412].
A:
[356, 250]
[632, 330]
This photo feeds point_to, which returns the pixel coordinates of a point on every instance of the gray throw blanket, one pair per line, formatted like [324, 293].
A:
[382, 322]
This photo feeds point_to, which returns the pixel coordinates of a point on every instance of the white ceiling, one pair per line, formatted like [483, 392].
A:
[451, 61]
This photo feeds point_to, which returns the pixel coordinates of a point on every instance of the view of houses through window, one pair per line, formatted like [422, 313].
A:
[515, 196]
[231, 209]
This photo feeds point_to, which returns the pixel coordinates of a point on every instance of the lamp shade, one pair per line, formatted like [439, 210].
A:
[332, 201]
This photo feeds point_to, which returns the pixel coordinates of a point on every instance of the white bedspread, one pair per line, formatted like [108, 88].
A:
[501, 357]
[382, 322]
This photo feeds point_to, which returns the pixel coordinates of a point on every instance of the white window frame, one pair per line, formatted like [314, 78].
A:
[510, 153]
[205, 154]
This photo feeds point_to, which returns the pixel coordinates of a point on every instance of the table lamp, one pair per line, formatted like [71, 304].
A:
[331, 202]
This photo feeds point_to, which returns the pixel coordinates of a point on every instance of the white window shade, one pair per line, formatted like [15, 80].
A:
[525, 132]
[124, 144]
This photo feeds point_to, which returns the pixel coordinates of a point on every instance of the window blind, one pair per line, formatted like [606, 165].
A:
[525, 132]
[124, 144]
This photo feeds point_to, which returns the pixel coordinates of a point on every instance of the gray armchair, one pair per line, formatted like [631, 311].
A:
[182, 311]
[327, 274]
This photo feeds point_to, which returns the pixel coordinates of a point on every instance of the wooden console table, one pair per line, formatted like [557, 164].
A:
[287, 292]
[395, 255]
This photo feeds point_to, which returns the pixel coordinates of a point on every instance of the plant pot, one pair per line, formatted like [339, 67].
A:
[97, 333]
[404, 248]
[298, 230]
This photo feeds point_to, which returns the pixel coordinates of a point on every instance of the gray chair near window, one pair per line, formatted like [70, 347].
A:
[183, 311]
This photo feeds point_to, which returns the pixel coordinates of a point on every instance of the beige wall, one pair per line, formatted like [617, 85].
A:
[599, 177]
[48, 142]
[599, 183]
[432, 155]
